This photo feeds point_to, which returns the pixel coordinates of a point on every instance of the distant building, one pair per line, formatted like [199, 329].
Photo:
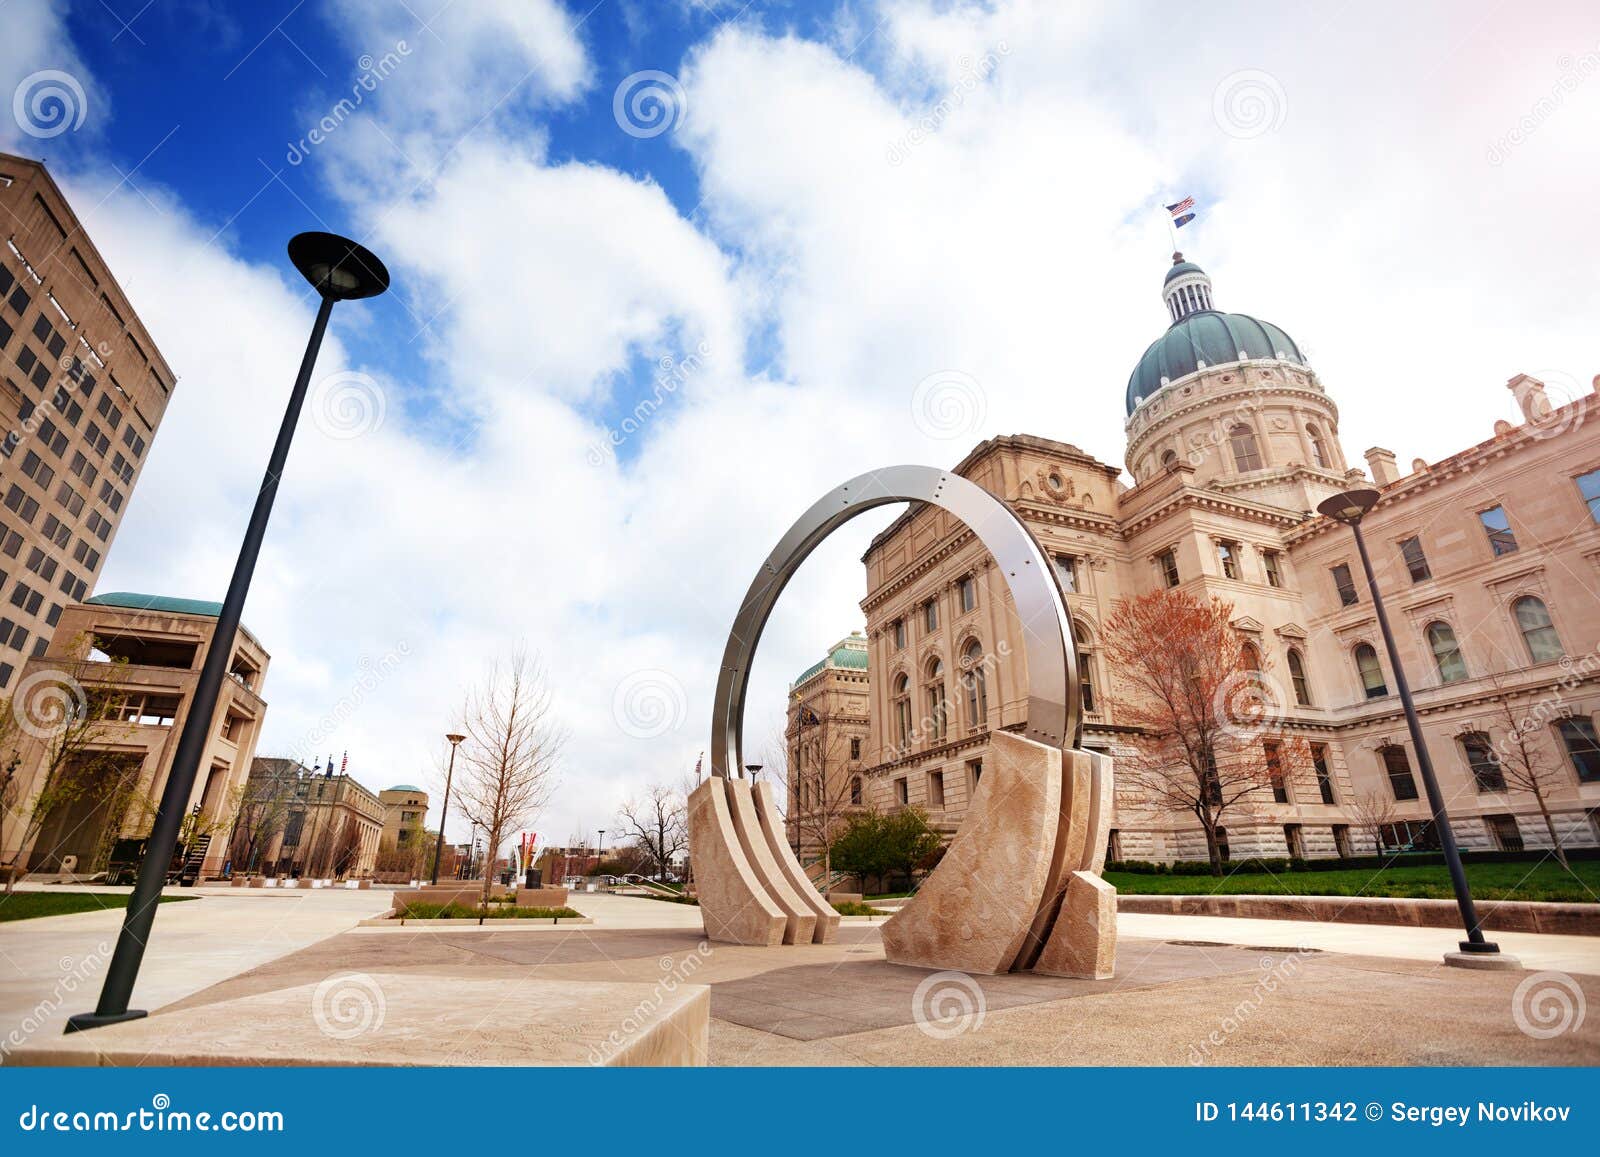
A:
[324, 825]
[825, 740]
[82, 392]
[132, 661]
[1487, 560]
[405, 813]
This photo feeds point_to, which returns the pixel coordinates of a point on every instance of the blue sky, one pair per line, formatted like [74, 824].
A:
[845, 202]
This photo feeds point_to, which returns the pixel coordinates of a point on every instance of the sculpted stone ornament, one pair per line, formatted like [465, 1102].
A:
[1020, 887]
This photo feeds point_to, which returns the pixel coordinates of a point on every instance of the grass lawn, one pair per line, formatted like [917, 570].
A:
[1544, 881]
[27, 905]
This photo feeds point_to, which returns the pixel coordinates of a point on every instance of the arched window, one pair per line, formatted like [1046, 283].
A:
[902, 709]
[1319, 448]
[1371, 672]
[1246, 454]
[1169, 459]
[1446, 653]
[1080, 636]
[1533, 620]
[855, 791]
[1250, 658]
[1297, 676]
[937, 707]
[976, 680]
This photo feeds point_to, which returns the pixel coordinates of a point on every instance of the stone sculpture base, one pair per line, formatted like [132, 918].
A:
[1003, 898]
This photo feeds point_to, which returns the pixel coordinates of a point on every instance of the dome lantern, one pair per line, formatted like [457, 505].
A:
[1187, 289]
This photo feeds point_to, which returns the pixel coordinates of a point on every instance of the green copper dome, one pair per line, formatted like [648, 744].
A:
[850, 653]
[1202, 336]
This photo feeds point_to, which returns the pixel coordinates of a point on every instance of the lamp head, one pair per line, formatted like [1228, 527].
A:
[337, 267]
[1349, 507]
[455, 740]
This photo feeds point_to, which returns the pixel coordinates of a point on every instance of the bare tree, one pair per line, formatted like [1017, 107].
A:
[659, 821]
[1208, 737]
[58, 723]
[1525, 766]
[1372, 812]
[507, 764]
[821, 795]
[262, 814]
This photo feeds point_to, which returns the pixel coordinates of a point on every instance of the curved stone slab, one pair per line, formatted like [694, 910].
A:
[1083, 942]
[1080, 774]
[974, 913]
[827, 926]
[734, 905]
[801, 921]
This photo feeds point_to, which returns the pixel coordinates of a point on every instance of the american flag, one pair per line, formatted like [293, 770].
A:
[1182, 212]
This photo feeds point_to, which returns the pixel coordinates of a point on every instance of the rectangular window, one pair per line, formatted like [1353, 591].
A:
[930, 615]
[901, 793]
[1416, 561]
[974, 772]
[1398, 768]
[1583, 748]
[968, 589]
[855, 747]
[1167, 564]
[1228, 556]
[936, 789]
[899, 630]
[1067, 572]
[1280, 789]
[1341, 840]
[1319, 764]
[1504, 832]
[1589, 487]
[1294, 839]
[1345, 585]
[1498, 527]
[1485, 765]
[1273, 567]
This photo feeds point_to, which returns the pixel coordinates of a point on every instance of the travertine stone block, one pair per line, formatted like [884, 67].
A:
[827, 925]
[1083, 942]
[802, 921]
[733, 903]
[974, 913]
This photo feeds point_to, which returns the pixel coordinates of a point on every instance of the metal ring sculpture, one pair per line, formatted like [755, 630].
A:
[1054, 712]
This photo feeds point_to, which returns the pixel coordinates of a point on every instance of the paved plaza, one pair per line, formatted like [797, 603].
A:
[1187, 989]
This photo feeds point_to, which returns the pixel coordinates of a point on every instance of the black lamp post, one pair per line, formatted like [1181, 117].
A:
[1349, 508]
[444, 808]
[754, 769]
[339, 270]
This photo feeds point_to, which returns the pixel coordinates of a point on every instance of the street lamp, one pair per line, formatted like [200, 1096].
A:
[1476, 952]
[339, 270]
[602, 844]
[444, 808]
[754, 769]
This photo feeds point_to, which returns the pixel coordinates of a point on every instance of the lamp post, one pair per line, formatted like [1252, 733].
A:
[602, 852]
[339, 270]
[444, 808]
[754, 769]
[1476, 952]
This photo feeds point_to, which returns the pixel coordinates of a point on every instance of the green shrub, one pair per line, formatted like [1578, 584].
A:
[856, 908]
[422, 911]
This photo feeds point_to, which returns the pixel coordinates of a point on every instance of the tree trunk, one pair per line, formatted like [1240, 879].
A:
[1550, 826]
[1213, 853]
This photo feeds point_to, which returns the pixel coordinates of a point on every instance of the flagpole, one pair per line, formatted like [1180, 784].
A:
[1172, 230]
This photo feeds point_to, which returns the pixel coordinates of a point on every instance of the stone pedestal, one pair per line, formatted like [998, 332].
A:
[1083, 942]
[826, 929]
[734, 904]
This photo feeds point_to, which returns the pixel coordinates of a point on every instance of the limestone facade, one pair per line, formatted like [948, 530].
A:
[1489, 562]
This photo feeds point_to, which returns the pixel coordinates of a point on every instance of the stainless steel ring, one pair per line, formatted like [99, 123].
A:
[1054, 713]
